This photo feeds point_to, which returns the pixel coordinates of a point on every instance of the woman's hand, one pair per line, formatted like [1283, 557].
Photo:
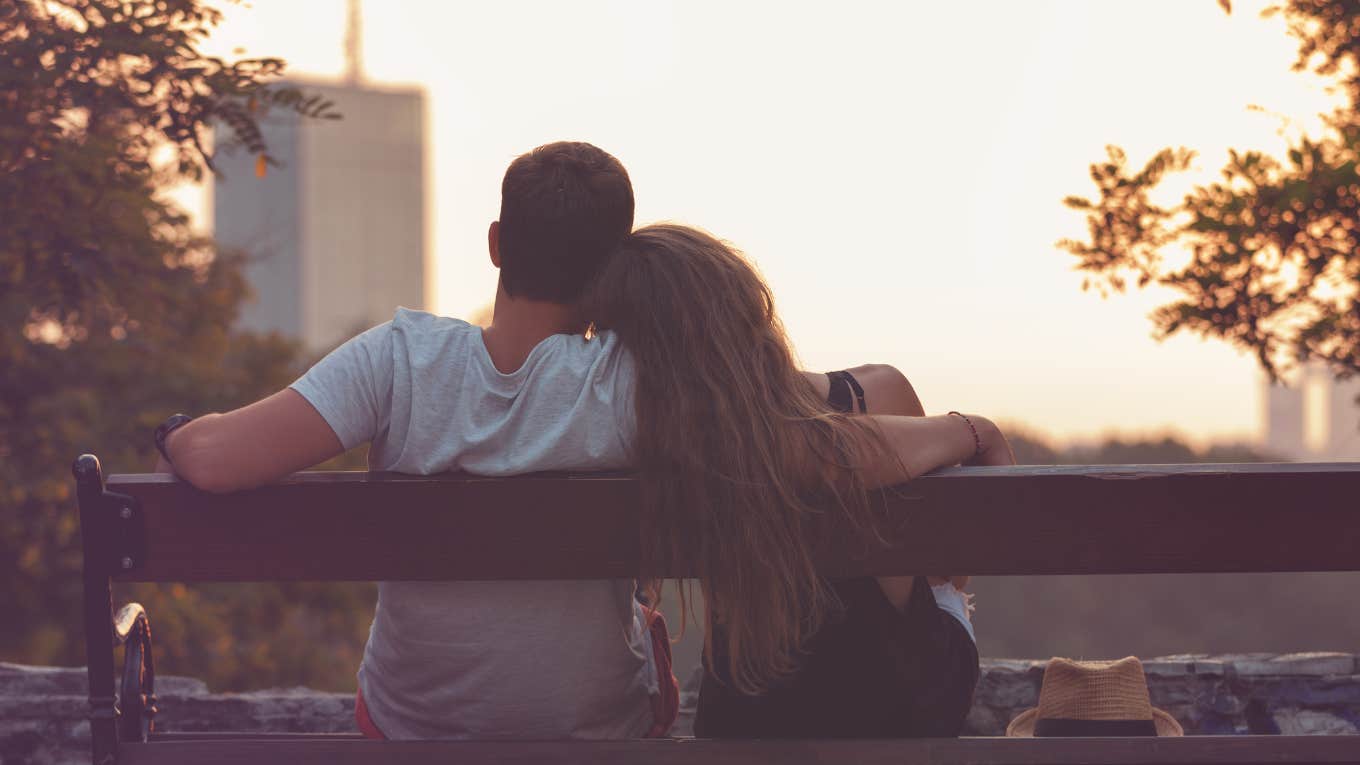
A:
[995, 450]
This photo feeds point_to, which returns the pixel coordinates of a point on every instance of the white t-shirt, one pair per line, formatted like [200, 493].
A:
[487, 660]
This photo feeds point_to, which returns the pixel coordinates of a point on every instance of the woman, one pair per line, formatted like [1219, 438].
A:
[739, 453]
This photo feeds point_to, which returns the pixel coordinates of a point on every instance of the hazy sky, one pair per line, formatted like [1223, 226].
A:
[895, 169]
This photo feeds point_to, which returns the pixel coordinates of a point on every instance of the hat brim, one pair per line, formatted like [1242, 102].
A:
[1023, 724]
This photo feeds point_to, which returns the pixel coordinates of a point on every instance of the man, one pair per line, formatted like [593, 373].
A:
[528, 393]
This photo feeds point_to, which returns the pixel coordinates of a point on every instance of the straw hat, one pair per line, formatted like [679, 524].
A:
[1094, 698]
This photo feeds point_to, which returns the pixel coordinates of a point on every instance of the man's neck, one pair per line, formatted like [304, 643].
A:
[518, 324]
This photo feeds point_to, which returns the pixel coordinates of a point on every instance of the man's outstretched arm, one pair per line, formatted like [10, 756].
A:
[338, 404]
[250, 446]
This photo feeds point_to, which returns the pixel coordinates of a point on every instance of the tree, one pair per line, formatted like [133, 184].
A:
[1273, 266]
[113, 312]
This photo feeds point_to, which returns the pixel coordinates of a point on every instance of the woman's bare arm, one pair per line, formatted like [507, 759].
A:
[919, 445]
[887, 391]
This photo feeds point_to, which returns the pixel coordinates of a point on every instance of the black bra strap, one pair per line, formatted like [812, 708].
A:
[842, 383]
[859, 392]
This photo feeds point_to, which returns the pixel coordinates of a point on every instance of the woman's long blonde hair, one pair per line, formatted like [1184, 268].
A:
[738, 457]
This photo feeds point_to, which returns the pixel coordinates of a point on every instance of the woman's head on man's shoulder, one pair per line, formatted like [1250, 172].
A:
[677, 280]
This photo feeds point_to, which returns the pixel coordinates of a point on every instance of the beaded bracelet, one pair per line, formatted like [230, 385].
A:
[977, 442]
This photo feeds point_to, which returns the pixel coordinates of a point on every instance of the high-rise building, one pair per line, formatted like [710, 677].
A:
[335, 237]
[1314, 416]
[1343, 421]
[1284, 434]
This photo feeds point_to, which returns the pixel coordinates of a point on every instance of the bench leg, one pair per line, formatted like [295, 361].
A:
[95, 531]
[137, 696]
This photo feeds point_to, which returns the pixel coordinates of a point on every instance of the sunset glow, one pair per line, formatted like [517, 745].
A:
[895, 169]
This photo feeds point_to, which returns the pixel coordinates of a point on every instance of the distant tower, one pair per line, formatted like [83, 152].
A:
[336, 237]
[1343, 420]
[354, 43]
[1291, 434]
[1284, 419]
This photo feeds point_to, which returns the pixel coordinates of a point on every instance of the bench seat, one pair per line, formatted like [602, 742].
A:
[339, 749]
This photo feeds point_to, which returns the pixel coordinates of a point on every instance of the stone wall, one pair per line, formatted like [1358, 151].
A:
[43, 709]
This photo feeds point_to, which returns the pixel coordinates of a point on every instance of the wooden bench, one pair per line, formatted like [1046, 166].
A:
[985, 521]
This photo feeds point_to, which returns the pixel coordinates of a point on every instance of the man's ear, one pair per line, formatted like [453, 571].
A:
[493, 242]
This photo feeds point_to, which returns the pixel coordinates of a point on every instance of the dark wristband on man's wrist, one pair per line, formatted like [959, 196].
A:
[172, 423]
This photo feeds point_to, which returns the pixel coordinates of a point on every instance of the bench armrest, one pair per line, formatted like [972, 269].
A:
[126, 620]
[137, 695]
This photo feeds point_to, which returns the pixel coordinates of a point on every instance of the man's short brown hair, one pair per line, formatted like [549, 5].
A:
[564, 207]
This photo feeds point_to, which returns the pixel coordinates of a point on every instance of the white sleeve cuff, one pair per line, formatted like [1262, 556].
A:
[948, 598]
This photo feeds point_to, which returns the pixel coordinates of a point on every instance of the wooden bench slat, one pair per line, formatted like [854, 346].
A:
[1192, 750]
[986, 521]
[201, 736]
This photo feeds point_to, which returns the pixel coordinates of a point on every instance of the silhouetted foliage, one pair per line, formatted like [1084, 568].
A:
[1272, 268]
[114, 314]
[1272, 261]
[1035, 450]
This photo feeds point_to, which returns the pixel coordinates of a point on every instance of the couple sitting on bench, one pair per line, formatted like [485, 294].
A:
[656, 350]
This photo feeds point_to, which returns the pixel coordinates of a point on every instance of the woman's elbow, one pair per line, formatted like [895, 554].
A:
[889, 390]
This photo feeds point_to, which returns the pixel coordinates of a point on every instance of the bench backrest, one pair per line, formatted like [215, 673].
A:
[984, 521]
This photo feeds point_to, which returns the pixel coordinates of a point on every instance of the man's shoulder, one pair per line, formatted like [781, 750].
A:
[424, 330]
[412, 319]
[418, 339]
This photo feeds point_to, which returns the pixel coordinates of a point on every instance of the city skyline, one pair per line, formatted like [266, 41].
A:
[902, 197]
[1314, 418]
